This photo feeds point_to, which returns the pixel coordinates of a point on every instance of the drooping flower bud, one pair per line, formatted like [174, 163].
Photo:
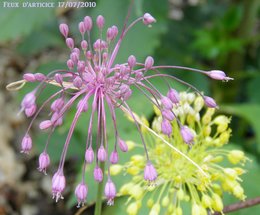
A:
[81, 192]
[187, 135]
[57, 104]
[44, 162]
[64, 30]
[148, 19]
[173, 95]
[210, 102]
[110, 192]
[102, 154]
[166, 102]
[114, 157]
[58, 78]
[26, 144]
[77, 82]
[30, 111]
[122, 145]
[166, 127]
[150, 173]
[148, 62]
[45, 124]
[167, 114]
[218, 75]
[58, 185]
[98, 174]
[40, 77]
[89, 155]
[56, 119]
[29, 77]
[28, 100]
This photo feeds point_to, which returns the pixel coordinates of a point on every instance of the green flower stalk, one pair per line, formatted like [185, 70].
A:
[179, 180]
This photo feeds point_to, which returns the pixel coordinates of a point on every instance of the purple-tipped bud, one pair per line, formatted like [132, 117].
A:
[81, 193]
[28, 100]
[167, 114]
[29, 77]
[166, 102]
[218, 75]
[30, 111]
[210, 102]
[150, 173]
[102, 154]
[110, 192]
[84, 45]
[56, 119]
[98, 174]
[166, 127]
[122, 145]
[26, 144]
[187, 135]
[74, 57]
[148, 62]
[89, 155]
[84, 104]
[57, 104]
[77, 82]
[148, 19]
[114, 157]
[45, 124]
[40, 77]
[64, 30]
[82, 28]
[88, 23]
[77, 51]
[58, 185]
[100, 21]
[58, 78]
[44, 162]
[70, 64]
[70, 43]
[131, 61]
[174, 96]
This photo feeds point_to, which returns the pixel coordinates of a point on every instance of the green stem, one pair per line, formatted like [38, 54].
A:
[98, 206]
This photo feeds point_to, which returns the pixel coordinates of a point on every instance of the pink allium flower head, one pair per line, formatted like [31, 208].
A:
[29, 77]
[150, 173]
[131, 61]
[64, 30]
[88, 23]
[114, 157]
[102, 154]
[168, 114]
[173, 95]
[58, 185]
[82, 28]
[166, 127]
[70, 43]
[148, 19]
[100, 21]
[45, 124]
[30, 111]
[122, 145]
[81, 193]
[110, 192]
[89, 155]
[210, 102]
[149, 62]
[44, 162]
[26, 144]
[40, 77]
[187, 135]
[28, 100]
[218, 75]
[98, 174]
[166, 103]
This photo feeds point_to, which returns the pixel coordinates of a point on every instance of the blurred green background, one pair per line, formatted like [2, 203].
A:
[223, 34]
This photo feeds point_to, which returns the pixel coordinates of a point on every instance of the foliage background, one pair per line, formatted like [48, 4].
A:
[202, 34]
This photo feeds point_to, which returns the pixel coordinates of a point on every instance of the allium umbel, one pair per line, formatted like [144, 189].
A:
[93, 77]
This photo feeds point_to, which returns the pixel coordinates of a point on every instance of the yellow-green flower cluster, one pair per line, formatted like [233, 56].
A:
[179, 180]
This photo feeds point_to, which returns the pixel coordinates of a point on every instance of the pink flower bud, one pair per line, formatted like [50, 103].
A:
[58, 185]
[44, 162]
[77, 82]
[148, 19]
[45, 124]
[114, 31]
[84, 45]
[131, 61]
[88, 23]
[98, 174]
[148, 63]
[89, 155]
[110, 192]
[167, 114]
[166, 102]
[210, 102]
[57, 104]
[77, 51]
[173, 95]
[74, 57]
[28, 100]
[56, 119]
[218, 75]
[102, 154]
[81, 66]
[150, 173]
[89, 55]
[100, 21]
[70, 43]
[26, 144]
[30, 111]
[81, 192]
[166, 127]
[114, 157]
[29, 77]
[84, 104]
[58, 78]
[64, 30]
[82, 28]
[187, 135]
[70, 64]
[40, 77]
[122, 145]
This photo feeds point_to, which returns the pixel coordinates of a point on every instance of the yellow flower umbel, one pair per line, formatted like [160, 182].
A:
[179, 180]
